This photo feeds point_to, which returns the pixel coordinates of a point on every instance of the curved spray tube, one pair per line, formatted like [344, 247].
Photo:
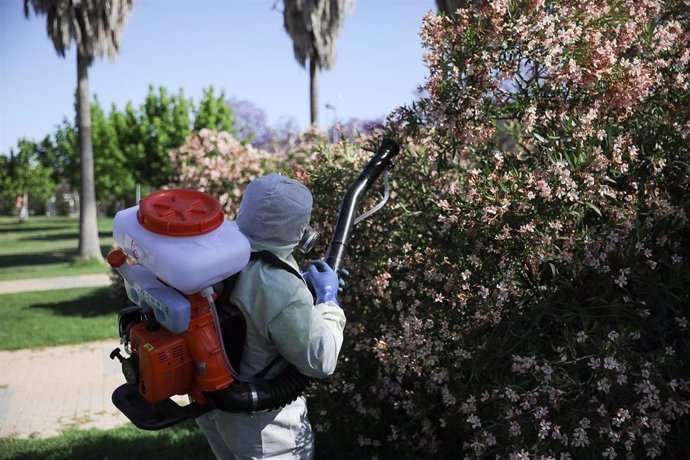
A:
[335, 254]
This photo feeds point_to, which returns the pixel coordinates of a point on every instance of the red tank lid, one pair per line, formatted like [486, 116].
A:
[180, 212]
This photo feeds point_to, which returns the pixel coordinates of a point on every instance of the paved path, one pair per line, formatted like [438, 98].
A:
[60, 282]
[45, 391]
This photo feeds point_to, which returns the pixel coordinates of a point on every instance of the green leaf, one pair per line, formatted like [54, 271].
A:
[540, 138]
[594, 208]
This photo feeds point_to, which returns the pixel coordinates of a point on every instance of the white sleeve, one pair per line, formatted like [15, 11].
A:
[309, 336]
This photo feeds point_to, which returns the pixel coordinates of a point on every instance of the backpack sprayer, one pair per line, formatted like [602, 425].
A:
[183, 245]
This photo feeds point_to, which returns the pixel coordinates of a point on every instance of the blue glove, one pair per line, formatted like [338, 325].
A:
[325, 282]
[341, 282]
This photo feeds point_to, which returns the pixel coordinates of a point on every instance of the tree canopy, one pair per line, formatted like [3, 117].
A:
[314, 26]
[131, 145]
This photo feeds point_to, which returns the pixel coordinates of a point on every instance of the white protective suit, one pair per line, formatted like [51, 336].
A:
[282, 320]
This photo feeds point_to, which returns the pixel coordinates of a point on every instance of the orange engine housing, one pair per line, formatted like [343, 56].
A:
[178, 364]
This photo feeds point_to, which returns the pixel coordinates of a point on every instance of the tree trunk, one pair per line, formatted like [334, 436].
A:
[314, 91]
[89, 246]
[24, 211]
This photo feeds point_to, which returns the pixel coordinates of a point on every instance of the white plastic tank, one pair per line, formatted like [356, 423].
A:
[183, 237]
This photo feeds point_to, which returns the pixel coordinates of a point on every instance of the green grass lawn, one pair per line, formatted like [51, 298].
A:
[47, 246]
[182, 441]
[47, 318]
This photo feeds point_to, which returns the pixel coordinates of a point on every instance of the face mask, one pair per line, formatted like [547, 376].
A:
[309, 237]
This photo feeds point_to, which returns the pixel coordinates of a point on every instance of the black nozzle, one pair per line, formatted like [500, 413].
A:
[348, 210]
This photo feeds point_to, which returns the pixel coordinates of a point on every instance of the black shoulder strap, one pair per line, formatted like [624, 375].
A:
[228, 286]
[268, 256]
[234, 328]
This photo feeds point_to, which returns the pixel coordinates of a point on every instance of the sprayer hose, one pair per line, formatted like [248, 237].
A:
[261, 395]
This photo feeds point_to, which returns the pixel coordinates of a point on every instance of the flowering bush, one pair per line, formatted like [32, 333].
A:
[217, 163]
[526, 293]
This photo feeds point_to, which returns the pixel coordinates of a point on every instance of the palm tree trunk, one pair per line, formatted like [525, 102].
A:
[314, 91]
[89, 247]
[450, 6]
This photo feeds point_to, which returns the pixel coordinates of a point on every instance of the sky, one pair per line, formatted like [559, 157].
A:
[238, 46]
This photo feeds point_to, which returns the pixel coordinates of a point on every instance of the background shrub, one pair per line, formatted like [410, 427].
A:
[525, 295]
[217, 163]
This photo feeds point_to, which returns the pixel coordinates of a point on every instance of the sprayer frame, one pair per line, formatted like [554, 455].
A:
[240, 396]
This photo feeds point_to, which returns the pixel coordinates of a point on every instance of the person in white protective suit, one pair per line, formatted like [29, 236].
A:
[283, 320]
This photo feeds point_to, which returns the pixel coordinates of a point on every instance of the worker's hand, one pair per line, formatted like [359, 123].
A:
[341, 279]
[325, 282]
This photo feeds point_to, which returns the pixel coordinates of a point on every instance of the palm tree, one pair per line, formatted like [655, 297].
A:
[313, 26]
[94, 26]
[450, 6]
